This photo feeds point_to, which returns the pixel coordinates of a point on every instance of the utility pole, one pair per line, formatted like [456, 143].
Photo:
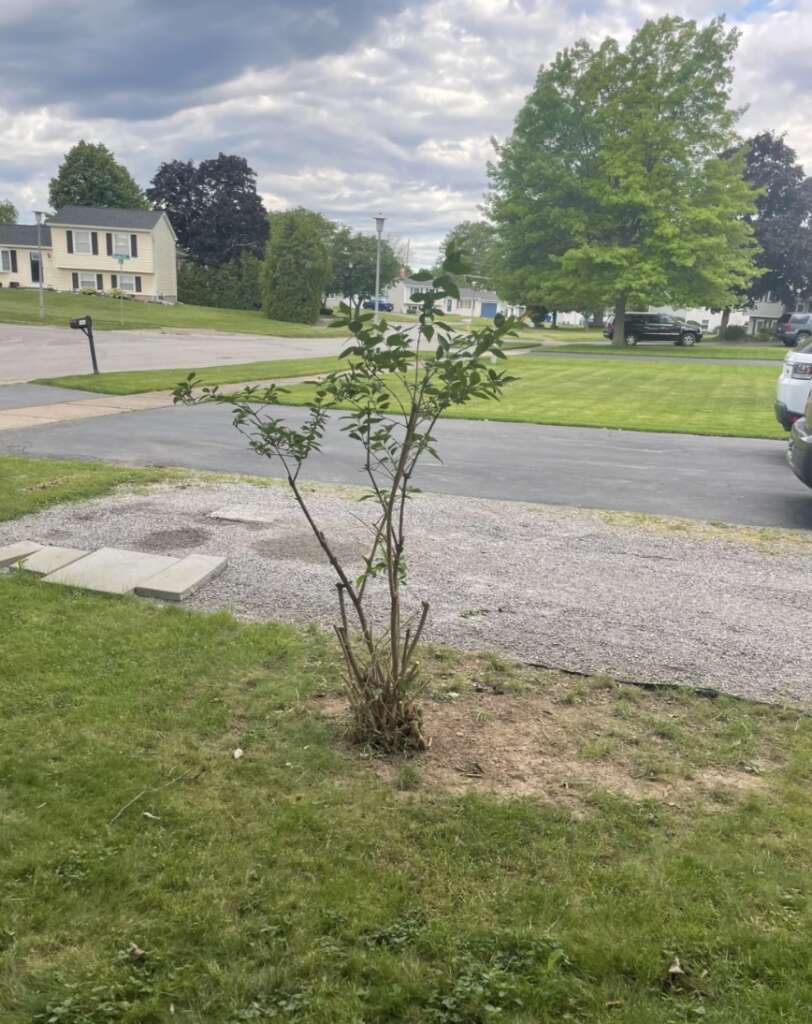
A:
[379, 222]
[39, 215]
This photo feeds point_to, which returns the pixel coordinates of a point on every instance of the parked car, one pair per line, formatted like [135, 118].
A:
[793, 386]
[794, 329]
[799, 453]
[656, 327]
[387, 307]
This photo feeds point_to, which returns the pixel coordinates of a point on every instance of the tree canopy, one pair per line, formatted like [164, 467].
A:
[90, 176]
[612, 190]
[475, 240]
[214, 207]
[782, 220]
[353, 265]
[297, 266]
[8, 212]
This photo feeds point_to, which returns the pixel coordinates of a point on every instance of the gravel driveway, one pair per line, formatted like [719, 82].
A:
[564, 587]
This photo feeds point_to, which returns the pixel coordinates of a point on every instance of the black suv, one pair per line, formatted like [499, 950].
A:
[794, 329]
[657, 327]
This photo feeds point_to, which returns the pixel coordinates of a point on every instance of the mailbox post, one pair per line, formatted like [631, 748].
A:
[85, 324]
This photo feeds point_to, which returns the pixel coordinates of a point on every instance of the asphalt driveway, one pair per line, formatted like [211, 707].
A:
[28, 352]
[731, 480]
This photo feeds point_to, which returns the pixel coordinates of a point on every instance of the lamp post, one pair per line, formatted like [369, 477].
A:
[379, 222]
[348, 284]
[39, 214]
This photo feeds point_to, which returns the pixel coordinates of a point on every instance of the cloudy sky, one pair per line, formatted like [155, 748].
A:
[345, 107]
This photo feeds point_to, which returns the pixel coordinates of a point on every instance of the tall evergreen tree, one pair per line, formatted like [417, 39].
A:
[297, 266]
[8, 212]
[90, 176]
[214, 207]
[611, 189]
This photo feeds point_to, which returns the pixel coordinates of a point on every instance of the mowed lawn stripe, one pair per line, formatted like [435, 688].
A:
[134, 382]
[684, 398]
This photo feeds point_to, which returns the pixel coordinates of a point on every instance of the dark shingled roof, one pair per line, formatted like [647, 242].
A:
[24, 234]
[106, 217]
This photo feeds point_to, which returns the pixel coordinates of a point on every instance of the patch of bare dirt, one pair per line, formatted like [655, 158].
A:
[531, 746]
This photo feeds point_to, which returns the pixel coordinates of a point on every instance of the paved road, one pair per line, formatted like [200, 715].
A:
[28, 352]
[733, 480]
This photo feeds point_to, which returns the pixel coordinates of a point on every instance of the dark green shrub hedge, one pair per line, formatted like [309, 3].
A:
[233, 285]
[734, 332]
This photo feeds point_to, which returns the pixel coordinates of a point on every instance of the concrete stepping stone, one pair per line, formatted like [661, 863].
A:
[12, 553]
[183, 578]
[111, 570]
[50, 558]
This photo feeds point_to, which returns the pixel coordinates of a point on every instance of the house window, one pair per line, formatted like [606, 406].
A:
[121, 244]
[81, 243]
[466, 303]
[88, 281]
[126, 282]
[5, 261]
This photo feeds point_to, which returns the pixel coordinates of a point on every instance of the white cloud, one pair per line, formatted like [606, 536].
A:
[401, 121]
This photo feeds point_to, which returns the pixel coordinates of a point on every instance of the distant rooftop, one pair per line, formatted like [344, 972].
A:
[24, 234]
[106, 217]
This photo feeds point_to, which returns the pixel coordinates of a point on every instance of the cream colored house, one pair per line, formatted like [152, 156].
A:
[86, 247]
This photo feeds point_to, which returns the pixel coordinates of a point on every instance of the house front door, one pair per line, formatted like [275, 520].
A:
[35, 268]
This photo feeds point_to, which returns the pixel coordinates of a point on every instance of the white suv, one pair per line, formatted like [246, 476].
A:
[793, 386]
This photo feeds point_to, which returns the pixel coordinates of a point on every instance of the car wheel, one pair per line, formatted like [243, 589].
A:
[631, 339]
[689, 339]
[803, 338]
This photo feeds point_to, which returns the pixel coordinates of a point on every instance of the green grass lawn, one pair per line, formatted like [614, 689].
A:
[690, 398]
[20, 306]
[30, 485]
[717, 351]
[304, 882]
[133, 382]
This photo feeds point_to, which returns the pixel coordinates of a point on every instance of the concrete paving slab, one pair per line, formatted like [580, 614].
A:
[50, 558]
[111, 570]
[60, 411]
[183, 578]
[12, 553]
[18, 421]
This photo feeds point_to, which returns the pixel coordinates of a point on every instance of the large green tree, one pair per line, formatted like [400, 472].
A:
[612, 191]
[475, 241]
[8, 212]
[90, 176]
[214, 207]
[297, 266]
[353, 265]
[782, 221]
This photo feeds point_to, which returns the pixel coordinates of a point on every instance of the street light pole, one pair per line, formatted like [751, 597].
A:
[39, 215]
[379, 222]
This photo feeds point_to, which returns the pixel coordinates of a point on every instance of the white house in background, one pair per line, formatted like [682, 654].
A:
[98, 248]
[472, 301]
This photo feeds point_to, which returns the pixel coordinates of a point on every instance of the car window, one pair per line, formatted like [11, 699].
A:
[797, 318]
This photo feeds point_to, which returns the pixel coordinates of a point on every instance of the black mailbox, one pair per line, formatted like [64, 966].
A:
[85, 324]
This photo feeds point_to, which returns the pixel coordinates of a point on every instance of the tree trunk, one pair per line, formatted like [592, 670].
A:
[555, 318]
[598, 317]
[619, 332]
[725, 320]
